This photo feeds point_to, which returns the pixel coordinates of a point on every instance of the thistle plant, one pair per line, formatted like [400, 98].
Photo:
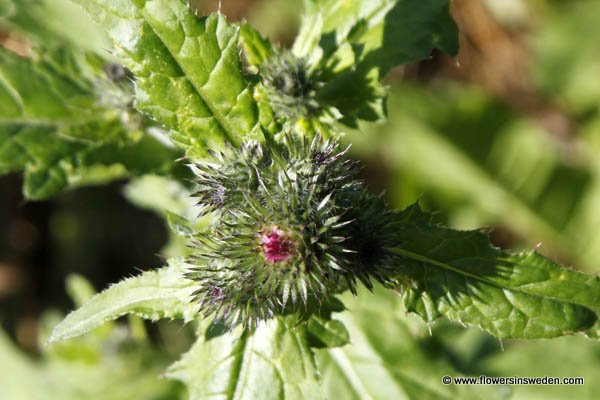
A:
[291, 228]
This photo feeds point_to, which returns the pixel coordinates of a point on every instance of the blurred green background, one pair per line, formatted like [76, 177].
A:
[506, 135]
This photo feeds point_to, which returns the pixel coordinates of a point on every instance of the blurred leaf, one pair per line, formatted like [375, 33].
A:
[273, 362]
[386, 360]
[80, 289]
[35, 100]
[325, 332]
[173, 202]
[110, 365]
[118, 377]
[276, 19]
[179, 225]
[188, 69]
[458, 274]
[164, 293]
[53, 128]
[564, 357]
[40, 91]
[43, 22]
[476, 353]
[18, 375]
[6, 8]
[475, 160]
[568, 56]
[161, 195]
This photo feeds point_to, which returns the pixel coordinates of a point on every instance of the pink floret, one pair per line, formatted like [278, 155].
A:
[276, 246]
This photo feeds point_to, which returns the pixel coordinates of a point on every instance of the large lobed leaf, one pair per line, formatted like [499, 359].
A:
[188, 69]
[273, 362]
[458, 274]
[190, 76]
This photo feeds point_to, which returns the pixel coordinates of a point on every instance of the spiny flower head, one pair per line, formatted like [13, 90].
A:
[291, 86]
[292, 227]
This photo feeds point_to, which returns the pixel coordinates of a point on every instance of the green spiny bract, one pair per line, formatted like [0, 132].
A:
[293, 227]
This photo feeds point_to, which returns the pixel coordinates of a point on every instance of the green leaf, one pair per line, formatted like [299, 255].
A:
[475, 353]
[387, 357]
[164, 293]
[563, 357]
[6, 8]
[36, 150]
[257, 48]
[40, 92]
[173, 202]
[80, 289]
[384, 32]
[325, 332]
[273, 362]
[117, 370]
[458, 274]
[53, 127]
[43, 22]
[109, 364]
[179, 225]
[188, 69]
[356, 43]
[515, 177]
[161, 195]
[565, 42]
[51, 161]
[17, 373]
